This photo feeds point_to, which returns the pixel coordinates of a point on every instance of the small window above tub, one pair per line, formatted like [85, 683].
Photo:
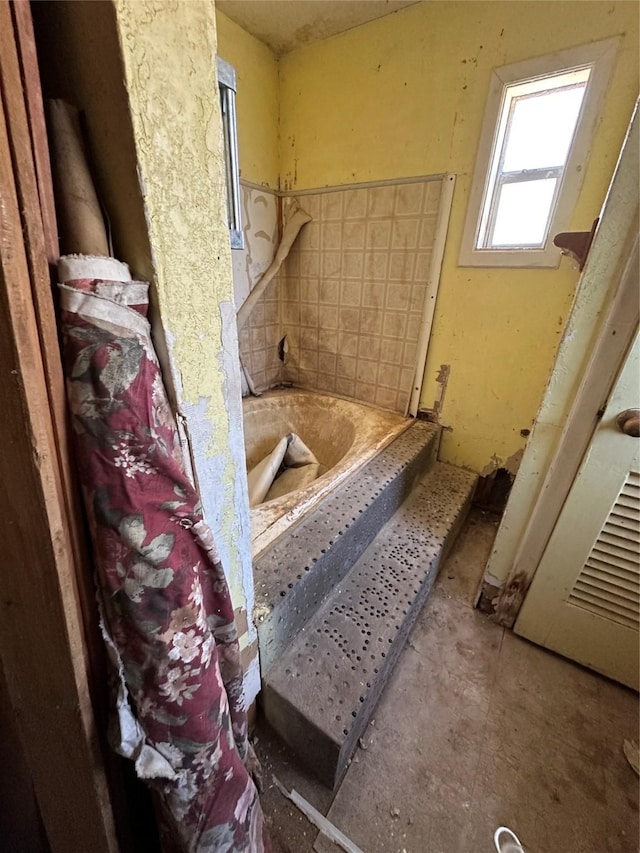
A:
[227, 88]
[534, 145]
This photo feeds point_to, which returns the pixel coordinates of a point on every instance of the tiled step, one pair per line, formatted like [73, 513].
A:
[321, 693]
[293, 578]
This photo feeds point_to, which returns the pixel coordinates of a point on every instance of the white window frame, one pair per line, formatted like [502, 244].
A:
[600, 56]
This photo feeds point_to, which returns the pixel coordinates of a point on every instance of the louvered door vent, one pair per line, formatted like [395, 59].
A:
[609, 583]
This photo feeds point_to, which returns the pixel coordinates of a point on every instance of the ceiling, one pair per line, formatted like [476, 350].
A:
[284, 25]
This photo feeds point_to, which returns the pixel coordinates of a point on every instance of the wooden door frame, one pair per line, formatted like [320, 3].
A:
[48, 616]
[612, 264]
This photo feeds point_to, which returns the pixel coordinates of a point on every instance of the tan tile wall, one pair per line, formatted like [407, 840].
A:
[353, 288]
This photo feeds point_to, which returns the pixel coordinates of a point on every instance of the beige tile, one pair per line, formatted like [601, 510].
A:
[406, 378]
[327, 340]
[373, 295]
[291, 373]
[331, 235]
[409, 199]
[259, 360]
[353, 235]
[422, 267]
[271, 312]
[367, 371]
[427, 233]
[331, 264]
[309, 338]
[418, 293]
[355, 204]
[328, 318]
[259, 379]
[328, 292]
[326, 382]
[381, 201]
[414, 323]
[409, 354]
[404, 234]
[391, 350]
[432, 196]
[389, 375]
[350, 293]
[347, 343]
[290, 290]
[327, 362]
[370, 321]
[309, 288]
[310, 203]
[375, 266]
[309, 263]
[291, 313]
[308, 378]
[401, 266]
[309, 236]
[346, 366]
[308, 314]
[352, 264]
[346, 387]
[349, 319]
[369, 347]
[365, 392]
[331, 204]
[386, 398]
[257, 314]
[308, 359]
[398, 296]
[378, 234]
[394, 324]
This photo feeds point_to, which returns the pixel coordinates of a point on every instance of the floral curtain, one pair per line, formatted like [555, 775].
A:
[167, 616]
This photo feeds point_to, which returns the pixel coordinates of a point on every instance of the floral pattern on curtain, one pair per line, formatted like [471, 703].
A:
[166, 611]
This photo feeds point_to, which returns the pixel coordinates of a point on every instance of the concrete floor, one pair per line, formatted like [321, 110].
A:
[476, 728]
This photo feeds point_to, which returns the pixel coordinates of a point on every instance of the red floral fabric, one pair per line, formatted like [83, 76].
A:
[167, 614]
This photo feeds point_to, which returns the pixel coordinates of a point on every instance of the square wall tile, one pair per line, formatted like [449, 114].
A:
[367, 371]
[394, 324]
[326, 382]
[370, 321]
[398, 296]
[346, 387]
[355, 204]
[401, 265]
[349, 319]
[353, 235]
[350, 294]
[432, 197]
[381, 202]
[373, 295]
[378, 234]
[346, 366]
[414, 323]
[386, 398]
[328, 292]
[331, 235]
[309, 263]
[330, 264]
[366, 392]
[352, 264]
[327, 341]
[375, 266]
[327, 317]
[331, 205]
[404, 233]
[347, 343]
[369, 347]
[389, 376]
[409, 198]
[427, 232]
[327, 362]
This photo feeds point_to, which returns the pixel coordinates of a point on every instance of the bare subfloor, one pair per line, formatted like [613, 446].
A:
[476, 728]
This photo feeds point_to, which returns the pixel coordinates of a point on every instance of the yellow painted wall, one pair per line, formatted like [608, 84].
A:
[404, 96]
[168, 52]
[257, 101]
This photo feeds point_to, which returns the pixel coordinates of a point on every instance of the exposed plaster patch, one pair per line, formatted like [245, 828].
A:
[442, 380]
[510, 464]
[251, 682]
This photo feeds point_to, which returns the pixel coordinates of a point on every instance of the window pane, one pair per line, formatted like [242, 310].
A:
[523, 213]
[541, 129]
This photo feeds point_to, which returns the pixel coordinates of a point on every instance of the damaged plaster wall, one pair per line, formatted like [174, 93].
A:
[593, 298]
[169, 54]
[404, 96]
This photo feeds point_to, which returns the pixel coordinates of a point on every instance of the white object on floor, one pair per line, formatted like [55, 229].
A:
[507, 841]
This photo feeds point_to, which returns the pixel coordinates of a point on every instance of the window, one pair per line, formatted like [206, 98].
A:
[227, 87]
[534, 145]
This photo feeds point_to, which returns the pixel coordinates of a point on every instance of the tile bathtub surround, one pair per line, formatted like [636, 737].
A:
[353, 288]
[258, 339]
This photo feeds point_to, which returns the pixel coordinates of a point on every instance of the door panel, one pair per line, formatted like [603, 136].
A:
[584, 598]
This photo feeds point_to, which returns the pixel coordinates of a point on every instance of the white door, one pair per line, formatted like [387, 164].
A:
[584, 598]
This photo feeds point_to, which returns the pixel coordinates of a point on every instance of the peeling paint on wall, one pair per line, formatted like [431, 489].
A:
[169, 54]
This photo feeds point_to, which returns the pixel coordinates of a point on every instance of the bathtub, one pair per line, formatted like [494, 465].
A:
[343, 435]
